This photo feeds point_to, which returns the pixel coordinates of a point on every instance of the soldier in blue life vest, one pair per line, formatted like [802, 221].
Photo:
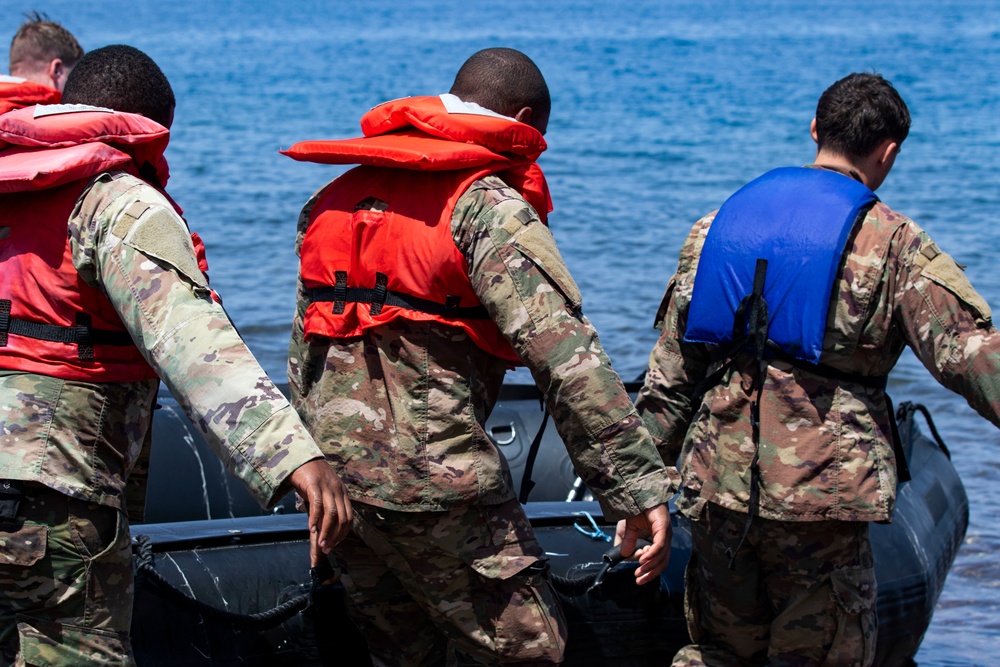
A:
[766, 389]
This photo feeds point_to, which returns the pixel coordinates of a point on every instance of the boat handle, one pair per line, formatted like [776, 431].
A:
[507, 439]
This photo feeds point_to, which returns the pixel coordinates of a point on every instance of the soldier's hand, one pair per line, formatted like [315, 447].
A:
[654, 524]
[329, 507]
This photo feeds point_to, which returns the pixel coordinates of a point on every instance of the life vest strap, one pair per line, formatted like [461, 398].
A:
[380, 296]
[82, 335]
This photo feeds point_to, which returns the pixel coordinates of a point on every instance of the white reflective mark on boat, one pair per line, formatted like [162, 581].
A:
[201, 472]
[213, 577]
[187, 584]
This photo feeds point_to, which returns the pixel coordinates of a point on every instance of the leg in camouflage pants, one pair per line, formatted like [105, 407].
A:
[426, 588]
[802, 593]
[66, 575]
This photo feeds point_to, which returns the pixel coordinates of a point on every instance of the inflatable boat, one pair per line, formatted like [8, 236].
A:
[220, 582]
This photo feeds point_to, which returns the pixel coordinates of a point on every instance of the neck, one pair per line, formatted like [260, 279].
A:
[843, 165]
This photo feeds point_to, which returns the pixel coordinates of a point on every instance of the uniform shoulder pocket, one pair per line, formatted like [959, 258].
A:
[162, 235]
[535, 242]
[942, 269]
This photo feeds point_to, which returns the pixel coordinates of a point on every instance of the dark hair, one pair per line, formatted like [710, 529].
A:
[39, 41]
[122, 78]
[505, 81]
[859, 112]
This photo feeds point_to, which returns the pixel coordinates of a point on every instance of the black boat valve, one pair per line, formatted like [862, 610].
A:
[611, 558]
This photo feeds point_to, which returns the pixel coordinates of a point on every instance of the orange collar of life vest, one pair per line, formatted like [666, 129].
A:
[441, 133]
[45, 146]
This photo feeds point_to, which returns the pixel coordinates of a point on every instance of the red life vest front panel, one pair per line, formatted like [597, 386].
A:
[16, 93]
[51, 321]
[369, 264]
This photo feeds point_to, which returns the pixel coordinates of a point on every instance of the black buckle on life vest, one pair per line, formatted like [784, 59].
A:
[340, 292]
[4, 321]
[84, 339]
[451, 302]
[381, 290]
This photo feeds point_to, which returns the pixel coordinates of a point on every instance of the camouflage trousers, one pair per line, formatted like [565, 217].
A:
[801, 593]
[467, 586]
[66, 577]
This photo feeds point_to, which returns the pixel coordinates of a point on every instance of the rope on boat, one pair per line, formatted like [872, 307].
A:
[260, 621]
[905, 413]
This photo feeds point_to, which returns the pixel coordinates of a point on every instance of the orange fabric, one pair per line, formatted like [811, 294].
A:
[418, 157]
[410, 243]
[135, 136]
[420, 133]
[38, 277]
[16, 94]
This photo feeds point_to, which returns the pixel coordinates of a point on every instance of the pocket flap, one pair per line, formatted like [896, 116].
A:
[854, 589]
[23, 547]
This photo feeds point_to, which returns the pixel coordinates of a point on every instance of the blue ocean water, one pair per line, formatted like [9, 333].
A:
[660, 111]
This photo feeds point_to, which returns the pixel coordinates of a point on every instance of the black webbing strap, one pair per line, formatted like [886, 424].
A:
[82, 335]
[902, 467]
[380, 296]
[755, 326]
[527, 484]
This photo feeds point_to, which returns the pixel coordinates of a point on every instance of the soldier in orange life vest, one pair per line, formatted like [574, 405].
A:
[420, 284]
[102, 294]
[42, 54]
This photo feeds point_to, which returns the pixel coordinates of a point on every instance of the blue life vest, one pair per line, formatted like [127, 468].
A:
[798, 220]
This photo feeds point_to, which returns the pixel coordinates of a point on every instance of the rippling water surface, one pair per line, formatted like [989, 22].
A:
[660, 111]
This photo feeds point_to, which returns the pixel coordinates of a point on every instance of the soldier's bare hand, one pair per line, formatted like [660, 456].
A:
[654, 524]
[329, 507]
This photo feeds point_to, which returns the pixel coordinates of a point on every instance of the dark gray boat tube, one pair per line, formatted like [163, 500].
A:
[206, 538]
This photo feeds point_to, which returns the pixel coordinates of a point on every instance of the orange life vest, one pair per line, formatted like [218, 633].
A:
[51, 321]
[367, 265]
[16, 93]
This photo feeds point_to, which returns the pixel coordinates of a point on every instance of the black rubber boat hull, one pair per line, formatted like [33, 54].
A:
[211, 541]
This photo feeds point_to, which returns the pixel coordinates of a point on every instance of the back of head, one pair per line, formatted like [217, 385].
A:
[856, 114]
[37, 43]
[122, 78]
[505, 81]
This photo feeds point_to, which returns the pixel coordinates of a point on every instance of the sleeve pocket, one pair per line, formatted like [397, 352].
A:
[945, 272]
[535, 242]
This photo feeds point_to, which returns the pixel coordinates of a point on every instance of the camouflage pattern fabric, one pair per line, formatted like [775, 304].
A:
[801, 593]
[825, 446]
[66, 573]
[399, 411]
[826, 451]
[83, 439]
[426, 588]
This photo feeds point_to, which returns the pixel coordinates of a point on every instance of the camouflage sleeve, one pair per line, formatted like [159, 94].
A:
[127, 239]
[297, 347]
[945, 321]
[675, 367]
[522, 281]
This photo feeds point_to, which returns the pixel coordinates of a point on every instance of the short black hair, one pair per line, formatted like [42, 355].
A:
[39, 41]
[858, 113]
[122, 78]
[505, 81]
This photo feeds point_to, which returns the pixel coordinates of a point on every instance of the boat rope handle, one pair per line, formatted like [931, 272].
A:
[260, 621]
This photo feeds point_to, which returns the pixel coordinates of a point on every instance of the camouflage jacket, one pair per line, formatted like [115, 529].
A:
[825, 446]
[400, 410]
[84, 439]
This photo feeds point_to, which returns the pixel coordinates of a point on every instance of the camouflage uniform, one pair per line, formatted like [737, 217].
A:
[78, 442]
[399, 411]
[826, 454]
